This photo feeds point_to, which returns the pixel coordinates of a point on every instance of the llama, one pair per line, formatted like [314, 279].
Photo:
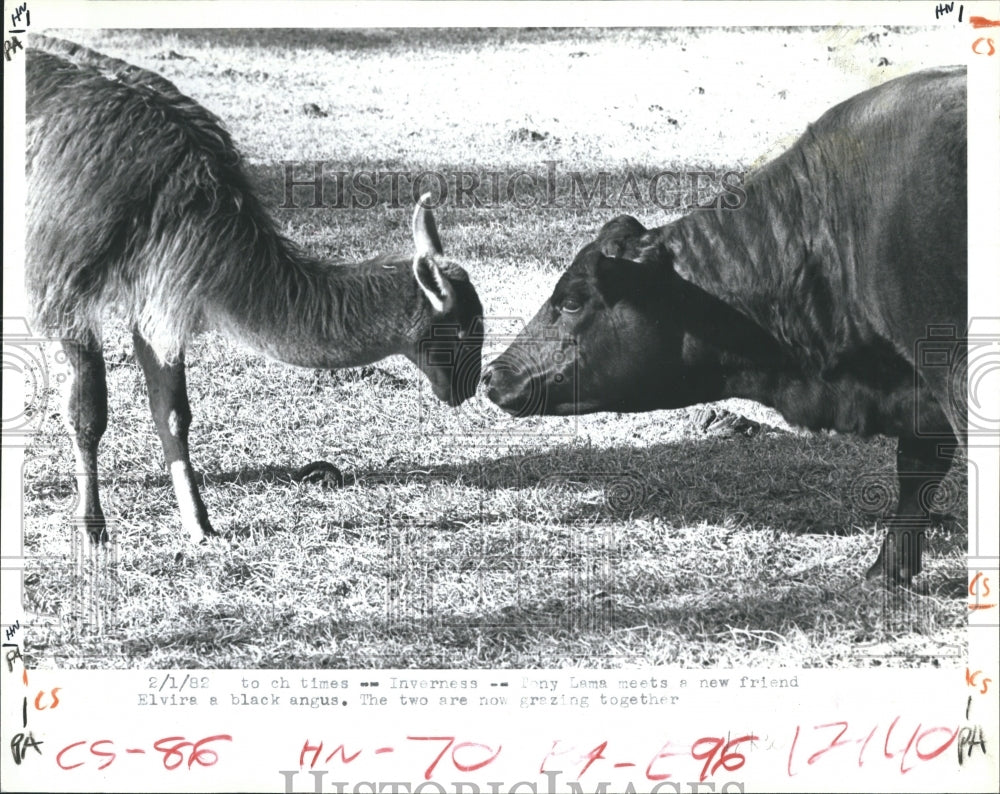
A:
[137, 204]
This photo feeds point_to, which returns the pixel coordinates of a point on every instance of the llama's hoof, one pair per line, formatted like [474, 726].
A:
[212, 539]
[94, 530]
[201, 534]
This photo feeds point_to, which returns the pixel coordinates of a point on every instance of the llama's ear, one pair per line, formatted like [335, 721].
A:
[425, 233]
[434, 284]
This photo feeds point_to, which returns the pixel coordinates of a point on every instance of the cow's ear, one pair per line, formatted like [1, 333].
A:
[435, 284]
[620, 237]
[653, 250]
[425, 234]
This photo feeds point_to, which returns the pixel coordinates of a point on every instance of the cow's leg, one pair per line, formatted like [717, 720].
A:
[86, 416]
[920, 468]
[168, 403]
[943, 400]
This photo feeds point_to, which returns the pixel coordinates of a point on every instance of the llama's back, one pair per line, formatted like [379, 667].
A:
[136, 200]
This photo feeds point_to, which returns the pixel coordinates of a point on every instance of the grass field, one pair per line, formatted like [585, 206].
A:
[461, 538]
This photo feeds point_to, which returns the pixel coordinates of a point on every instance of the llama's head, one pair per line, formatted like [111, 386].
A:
[449, 340]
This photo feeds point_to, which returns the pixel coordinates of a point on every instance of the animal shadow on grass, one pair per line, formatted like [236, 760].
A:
[812, 484]
[804, 486]
[564, 579]
[554, 554]
[695, 622]
[824, 485]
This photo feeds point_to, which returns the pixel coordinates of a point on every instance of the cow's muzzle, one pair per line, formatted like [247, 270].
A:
[513, 388]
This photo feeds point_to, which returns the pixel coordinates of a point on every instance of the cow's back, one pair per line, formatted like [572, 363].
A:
[848, 248]
[897, 166]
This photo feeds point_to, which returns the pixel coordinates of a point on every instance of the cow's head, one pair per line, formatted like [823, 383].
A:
[448, 342]
[608, 339]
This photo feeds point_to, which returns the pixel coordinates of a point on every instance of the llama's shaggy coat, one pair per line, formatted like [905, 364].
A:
[137, 203]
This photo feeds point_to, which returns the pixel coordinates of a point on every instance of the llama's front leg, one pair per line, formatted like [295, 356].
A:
[168, 403]
[86, 416]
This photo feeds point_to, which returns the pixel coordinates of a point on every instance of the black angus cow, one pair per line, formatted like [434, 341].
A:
[812, 297]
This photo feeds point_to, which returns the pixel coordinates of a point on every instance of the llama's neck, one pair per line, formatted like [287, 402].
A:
[312, 314]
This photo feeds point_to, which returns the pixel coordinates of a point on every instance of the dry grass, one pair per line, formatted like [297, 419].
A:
[463, 539]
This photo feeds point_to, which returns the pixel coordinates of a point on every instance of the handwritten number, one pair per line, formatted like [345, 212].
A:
[207, 757]
[173, 757]
[170, 752]
[835, 743]
[429, 772]
[478, 765]
[727, 760]
[935, 753]
[450, 745]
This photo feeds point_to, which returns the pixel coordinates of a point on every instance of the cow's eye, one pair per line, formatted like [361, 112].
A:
[570, 306]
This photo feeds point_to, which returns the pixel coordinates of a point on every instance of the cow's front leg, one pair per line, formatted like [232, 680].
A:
[921, 464]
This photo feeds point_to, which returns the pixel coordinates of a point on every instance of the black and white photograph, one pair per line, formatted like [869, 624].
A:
[496, 348]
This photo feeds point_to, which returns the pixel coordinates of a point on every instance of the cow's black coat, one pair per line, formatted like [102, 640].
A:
[814, 297]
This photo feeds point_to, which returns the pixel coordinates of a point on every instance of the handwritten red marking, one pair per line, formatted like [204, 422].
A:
[477, 765]
[903, 769]
[317, 749]
[865, 747]
[970, 680]
[199, 755]
[835, 743]
[172, 748]
[553, 753]
[989, 43]
[979, 582]
[59, 756]
[111, 756]
[915, 744]
[343, 755]
[983, 22]
[381, 750]
[596, 754]
[577, 756]
[979, 587]
[791, 752]
[920, 746]
[888, 734]
[52, 694]
[934, 754]
[729, 761]
[449, 741]
[429, 772]
[661, 753]
[623, 764]
[309, 748]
